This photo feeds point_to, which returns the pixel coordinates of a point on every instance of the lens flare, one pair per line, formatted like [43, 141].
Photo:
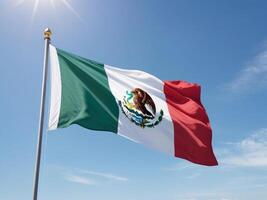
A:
[68, 5]
[35, 7]
[36, 4]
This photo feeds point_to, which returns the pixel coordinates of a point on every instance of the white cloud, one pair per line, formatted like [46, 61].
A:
[105, 175]
[87, 177]
[253, 76]
[79, 179]
[250, 152]
[181, 166]
[193, 176]
[203, 195]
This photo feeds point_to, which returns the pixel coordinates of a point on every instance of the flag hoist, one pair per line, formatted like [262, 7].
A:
[47, 37]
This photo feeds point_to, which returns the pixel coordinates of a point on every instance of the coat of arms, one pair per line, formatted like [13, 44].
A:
[140, 108]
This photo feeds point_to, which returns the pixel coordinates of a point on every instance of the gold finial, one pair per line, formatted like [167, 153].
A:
[47, 33]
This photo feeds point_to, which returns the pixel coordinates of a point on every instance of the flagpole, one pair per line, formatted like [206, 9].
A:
[47, 35]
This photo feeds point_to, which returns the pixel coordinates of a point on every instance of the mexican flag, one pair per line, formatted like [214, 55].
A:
[164, 115]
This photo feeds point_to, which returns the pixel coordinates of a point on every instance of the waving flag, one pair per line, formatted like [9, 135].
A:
[164, 115]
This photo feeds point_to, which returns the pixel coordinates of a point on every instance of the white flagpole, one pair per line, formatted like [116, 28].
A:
[47, 35]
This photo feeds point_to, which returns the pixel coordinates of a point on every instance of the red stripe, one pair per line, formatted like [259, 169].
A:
[192, 131]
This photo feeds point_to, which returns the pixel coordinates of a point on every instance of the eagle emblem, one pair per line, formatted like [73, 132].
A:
[138, 106]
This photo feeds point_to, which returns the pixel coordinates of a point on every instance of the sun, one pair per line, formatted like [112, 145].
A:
[36, 3]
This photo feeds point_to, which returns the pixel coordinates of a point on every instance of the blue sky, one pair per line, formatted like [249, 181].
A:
[221, 45]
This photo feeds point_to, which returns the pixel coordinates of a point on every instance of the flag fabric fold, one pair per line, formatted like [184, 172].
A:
[164, 115]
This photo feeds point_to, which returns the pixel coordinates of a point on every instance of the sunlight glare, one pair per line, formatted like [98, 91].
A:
[19, 2]
[36, 4]
[68, 5]
[52, 3]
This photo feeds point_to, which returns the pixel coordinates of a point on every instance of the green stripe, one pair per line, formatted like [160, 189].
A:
[86, 98]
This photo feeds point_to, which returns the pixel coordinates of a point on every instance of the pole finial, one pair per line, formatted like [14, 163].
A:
[47, 33]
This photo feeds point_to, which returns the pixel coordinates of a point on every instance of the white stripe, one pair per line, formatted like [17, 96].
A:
[161, 136]
[55, 101]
